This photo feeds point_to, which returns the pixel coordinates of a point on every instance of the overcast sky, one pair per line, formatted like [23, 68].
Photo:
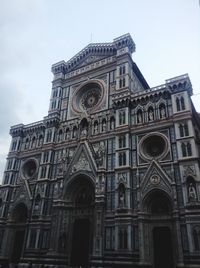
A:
[37, 33]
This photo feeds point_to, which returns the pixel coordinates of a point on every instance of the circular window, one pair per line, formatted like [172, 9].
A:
[153, 146]
[29, 168]
[88, 96]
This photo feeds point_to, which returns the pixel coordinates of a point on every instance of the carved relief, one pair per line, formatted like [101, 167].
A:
[82, 164]
[100, 154]
[100, 184]
[189, 170]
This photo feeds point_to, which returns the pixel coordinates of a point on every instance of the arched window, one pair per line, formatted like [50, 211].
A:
[67, 134]
[122, 117]
[123, 69]
[120, 70]
[123, 238]
[43, 171]
[120, 83]
[122, 141]
[122, 159]
[14, 145]
[178, 106]
[33, 142]
[26, 144]
[196, 238]
[189, 149]
[60, 135]
[182, 103]
[186, 130]
[184, 150]
[49, 135]
[181, 130]
[124, 82]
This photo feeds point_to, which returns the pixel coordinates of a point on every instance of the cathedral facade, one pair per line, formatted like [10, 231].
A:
[110, 177]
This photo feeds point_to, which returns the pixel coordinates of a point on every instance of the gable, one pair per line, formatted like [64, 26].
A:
[155, 177]
[82, 160]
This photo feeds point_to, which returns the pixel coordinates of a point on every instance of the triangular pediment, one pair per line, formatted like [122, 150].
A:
[82, 160]
[155, 177]
[90, 54]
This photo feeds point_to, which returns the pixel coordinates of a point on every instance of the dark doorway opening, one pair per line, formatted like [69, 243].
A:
[80, 243]
[162, 242]
[17, 246]
[19, 218]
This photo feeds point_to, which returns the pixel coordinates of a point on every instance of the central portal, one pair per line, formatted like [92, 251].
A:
[82, 196]
[162, 243]
[80, 243]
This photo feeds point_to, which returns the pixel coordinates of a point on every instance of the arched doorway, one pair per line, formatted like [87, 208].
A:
[159, 208]
[81, 194]
[19, 218]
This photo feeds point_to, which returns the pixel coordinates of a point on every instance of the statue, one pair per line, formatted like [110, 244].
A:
[112, 124]
[162, 112]
[95, 128]
[150, 115]
[84, 131]
[121, 198]
[103, 126]
[139, 117]
[192, 193]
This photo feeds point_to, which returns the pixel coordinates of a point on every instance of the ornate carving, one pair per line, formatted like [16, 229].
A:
[63, 163]
[189, 170]
[122, 178]
[155, 179]
[82, 164]
[100, 154]
[100, 184]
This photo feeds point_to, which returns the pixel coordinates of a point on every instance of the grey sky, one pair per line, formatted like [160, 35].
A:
[37, 33]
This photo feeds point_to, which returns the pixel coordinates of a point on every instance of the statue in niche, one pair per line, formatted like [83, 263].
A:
[95, 128]
[139, 117]
[121, 196]
[103, 126]
[192, 193]
[150, 115]
[84, 131]
[112, 124]
[162, 112]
